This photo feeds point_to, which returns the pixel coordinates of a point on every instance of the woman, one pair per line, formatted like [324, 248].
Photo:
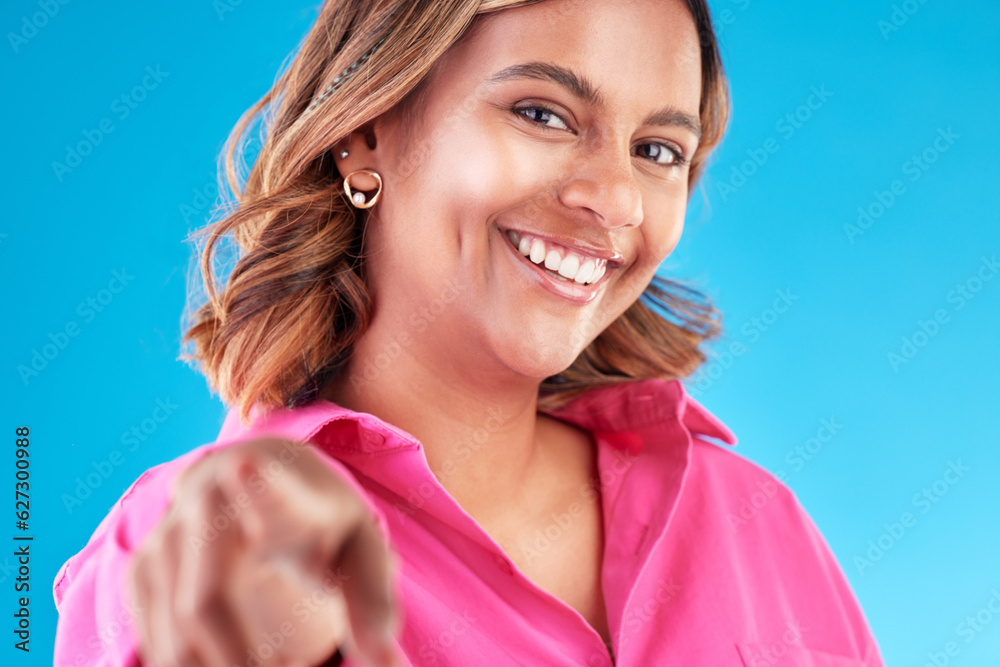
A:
[458, 435]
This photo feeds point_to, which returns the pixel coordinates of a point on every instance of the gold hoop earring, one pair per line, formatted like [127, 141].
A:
[358, 198]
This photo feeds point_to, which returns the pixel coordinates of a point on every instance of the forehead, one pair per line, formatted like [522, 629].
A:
[643, 52]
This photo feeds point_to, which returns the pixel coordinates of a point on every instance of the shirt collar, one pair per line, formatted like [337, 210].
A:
[639, 405]
[653, 419]
[619, 408]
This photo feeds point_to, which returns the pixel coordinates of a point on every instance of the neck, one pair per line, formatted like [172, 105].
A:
[477, 421]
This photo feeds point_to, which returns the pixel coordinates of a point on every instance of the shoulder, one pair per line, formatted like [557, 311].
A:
[95, 614]
[133, 515]
[756, 505]
[141, 506]
[743, 492]
[144, 503]
[755, 518]
[757, 528]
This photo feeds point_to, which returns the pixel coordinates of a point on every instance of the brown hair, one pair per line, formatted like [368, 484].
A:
[295, 302]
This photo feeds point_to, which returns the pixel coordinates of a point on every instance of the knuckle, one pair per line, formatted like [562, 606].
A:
[194, 472]
[195, 606]
[172, 536]
[186, 655]
[234, 459]
[206, 509]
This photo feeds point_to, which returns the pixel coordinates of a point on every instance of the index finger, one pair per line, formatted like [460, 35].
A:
[369, 590]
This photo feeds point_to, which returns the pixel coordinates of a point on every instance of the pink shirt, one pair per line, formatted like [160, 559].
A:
[709, 559]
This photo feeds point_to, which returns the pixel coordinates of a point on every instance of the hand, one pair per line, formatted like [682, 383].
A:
[263, 561]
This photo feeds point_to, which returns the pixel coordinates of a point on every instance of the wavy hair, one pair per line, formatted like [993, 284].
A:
[295, 301]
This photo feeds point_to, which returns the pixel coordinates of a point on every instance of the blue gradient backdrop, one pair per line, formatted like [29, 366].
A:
[860, 359]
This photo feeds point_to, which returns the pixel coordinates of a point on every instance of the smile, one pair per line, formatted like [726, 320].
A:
[561, 261]
[564, 271]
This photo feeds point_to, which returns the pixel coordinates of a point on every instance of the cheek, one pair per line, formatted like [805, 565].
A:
[447, 166]
[659, 239]
[449, 183]
[470, 171]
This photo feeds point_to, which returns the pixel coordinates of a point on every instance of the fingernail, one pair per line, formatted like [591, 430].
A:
[243, 473]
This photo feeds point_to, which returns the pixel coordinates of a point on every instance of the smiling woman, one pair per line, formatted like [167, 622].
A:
[458, 433]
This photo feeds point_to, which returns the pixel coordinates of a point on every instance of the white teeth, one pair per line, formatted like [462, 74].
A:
[581, 270]
[587, 270]
[570, 265]
[598, 273]
[552, 260]
[537, 251]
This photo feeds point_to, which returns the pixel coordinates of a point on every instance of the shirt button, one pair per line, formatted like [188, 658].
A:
[372, 437]
[599, 660]
[503, 564]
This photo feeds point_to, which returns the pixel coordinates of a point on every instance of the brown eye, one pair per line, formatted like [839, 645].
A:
[539, 115]
[662, 154]
[665, 155]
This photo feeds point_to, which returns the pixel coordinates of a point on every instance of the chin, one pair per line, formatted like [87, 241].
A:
[539, 357]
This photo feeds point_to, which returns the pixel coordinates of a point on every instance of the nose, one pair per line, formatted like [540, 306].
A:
[604, 183]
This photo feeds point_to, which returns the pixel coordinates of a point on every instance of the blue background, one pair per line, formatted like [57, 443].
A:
[755, 230]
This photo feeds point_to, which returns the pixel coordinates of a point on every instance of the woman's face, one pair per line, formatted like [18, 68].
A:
[554, 135]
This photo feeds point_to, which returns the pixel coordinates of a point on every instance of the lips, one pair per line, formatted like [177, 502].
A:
[570, 264]
[576, 261]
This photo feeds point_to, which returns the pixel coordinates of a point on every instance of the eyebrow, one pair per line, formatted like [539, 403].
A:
[585, 90]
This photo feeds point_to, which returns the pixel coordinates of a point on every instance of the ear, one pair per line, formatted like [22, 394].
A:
[362, 153]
